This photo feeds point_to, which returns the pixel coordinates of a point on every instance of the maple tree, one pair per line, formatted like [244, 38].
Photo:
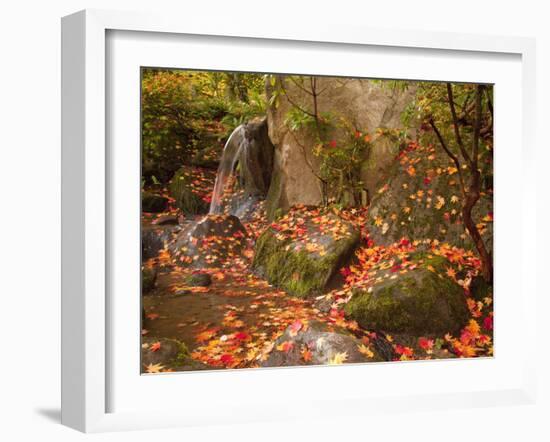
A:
[477, 115]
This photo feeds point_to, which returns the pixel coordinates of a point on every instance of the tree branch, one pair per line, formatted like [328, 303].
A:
[455, 123]
[450, 154]
[477, 127]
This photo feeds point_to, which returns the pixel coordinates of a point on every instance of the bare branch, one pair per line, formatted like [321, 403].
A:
[451, 155]
[455, 123]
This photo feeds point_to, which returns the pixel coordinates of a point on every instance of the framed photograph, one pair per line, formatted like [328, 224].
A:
[252, 213]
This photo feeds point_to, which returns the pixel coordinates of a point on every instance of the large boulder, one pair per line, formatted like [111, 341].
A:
[301, 251]
[191, 189]
[318, 343]
[419, 301]
[421, 200]
[209, 242]
[365, 104]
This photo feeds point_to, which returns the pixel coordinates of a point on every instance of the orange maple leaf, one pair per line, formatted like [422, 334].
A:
[155, 346]
[306, 354]
[285, 346]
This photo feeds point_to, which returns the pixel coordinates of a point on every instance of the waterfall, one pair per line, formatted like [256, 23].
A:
[230, 156]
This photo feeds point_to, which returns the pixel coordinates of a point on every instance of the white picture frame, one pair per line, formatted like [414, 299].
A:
[86, 315]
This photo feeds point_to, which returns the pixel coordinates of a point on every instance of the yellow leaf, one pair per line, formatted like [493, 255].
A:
[365, 350]
[154, 368]
[338, 358]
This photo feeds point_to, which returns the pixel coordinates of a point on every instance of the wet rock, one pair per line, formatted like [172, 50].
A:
[419, 302]
[156, 238]
[209, 242]
[326, 344]
[303, 262]
[166, 220]
[167, 354]
[153, 203]
[244, 174]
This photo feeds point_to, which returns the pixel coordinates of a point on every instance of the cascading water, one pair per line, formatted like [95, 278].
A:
[226, 171]
[247, 157]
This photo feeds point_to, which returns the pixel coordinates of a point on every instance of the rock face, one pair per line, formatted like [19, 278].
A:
[422, 301]
[421, 199]
[153, 203]
[324, 344]
[209, 242]
[156, 238]
[365, 104]
[301, 252]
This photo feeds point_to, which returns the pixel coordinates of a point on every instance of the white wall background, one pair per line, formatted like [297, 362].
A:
[30, 213]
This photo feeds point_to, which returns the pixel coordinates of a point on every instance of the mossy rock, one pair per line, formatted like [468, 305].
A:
[198, 280]
[420, 302]
[148, 278]
[170, 354]
[189, 187]
[153, 203]
[480, 288]
[301, 271]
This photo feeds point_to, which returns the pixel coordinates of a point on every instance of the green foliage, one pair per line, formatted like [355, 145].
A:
[185, 112]
[340, 163]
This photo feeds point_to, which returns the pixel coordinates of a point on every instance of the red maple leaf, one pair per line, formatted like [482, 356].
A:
[155, 346]
[226, 359]
[425, 344]
[242, 336]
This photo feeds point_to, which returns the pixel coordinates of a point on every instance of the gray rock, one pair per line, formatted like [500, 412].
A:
[156, 238]
[327, 344]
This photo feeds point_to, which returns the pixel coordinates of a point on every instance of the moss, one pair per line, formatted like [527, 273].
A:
[183, 355]
[273, 198]
[182, 191]
[148, 279]
[301, 273]
[153, 203]
[420, 302]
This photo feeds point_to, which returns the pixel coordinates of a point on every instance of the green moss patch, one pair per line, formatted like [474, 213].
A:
[419, 302]
[303, 265]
